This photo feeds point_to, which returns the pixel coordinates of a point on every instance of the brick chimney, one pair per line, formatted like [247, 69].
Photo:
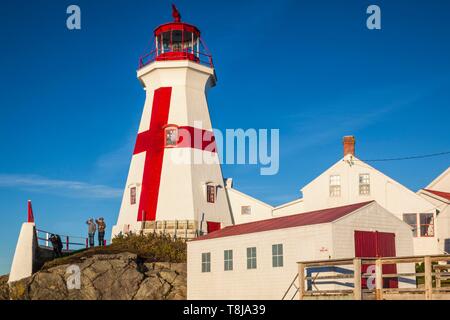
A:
[349, 145]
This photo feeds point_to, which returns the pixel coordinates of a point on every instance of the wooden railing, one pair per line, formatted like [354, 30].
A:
[348, 278]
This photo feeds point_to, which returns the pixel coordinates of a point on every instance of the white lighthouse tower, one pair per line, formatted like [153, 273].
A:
[170, 187]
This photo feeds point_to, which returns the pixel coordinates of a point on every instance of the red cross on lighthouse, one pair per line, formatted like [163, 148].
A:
[152, 142]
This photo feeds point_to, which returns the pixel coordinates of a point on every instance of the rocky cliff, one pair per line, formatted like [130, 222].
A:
[121, 276]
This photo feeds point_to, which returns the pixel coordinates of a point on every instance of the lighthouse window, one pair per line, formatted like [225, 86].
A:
[176, 40]
[211, 194]
[171, 136]
[133, 195]
[166, 42]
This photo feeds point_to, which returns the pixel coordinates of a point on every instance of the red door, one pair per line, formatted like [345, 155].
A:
[212, 226]
[376, 244]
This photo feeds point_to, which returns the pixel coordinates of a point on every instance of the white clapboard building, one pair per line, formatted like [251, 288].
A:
[351, 180]
[258, 260]
[438, 193]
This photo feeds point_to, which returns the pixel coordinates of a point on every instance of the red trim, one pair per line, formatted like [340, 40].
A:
[30, 212]
[213, 226]
[152, 142]
[177, 55]
[177, 26]
[445, 195]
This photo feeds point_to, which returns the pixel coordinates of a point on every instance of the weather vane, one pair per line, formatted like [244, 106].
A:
[176, 14]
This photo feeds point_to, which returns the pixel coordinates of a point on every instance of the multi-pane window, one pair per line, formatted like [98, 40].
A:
[426, 225]
[335, 186]
[228, 260]
[422, 224]
[364, 184]
[171, 136]
[277, 255]
[251, 258]
[206, 262]
[246, 210]
[211, 194]
[133, 195]
[411, 219]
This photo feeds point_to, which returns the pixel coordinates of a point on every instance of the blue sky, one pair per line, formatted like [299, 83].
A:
[70, 103]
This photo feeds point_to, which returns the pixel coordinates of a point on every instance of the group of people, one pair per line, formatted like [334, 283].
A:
[93, 225]
[100, 225]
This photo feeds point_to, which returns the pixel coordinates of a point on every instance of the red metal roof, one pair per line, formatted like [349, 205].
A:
[298, 220]
[445, 195]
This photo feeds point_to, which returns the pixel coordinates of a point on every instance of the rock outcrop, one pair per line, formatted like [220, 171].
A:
[122, 276]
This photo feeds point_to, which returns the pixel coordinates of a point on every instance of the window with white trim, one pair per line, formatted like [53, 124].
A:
[335, 185]
[228, 260]
[364, 184]
[206, 262]
[251, 258]
[277, 255]
[426, 224]
[171, 136]
[246, 210]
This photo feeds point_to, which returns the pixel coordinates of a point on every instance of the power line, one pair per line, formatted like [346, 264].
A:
[410, 157]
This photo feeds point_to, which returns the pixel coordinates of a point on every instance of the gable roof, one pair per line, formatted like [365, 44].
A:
[441, 177]
[298, 220]
[445, 195]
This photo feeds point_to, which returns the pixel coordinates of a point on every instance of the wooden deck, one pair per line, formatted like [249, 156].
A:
[431, 284]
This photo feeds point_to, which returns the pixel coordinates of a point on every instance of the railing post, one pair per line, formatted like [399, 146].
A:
[437, 274]
[428, 279]
[357, 279]
[67, 243]
[47, 236]
[87, 243]
[378, 279]
[301, 281]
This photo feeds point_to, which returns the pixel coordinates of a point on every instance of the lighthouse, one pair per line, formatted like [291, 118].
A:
[170, 187]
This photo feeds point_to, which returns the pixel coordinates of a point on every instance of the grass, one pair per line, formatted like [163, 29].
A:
[152, 247]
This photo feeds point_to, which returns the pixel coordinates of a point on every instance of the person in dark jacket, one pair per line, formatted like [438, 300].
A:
[91, 231]
[57, 245]
[60, 245]
[101, 225]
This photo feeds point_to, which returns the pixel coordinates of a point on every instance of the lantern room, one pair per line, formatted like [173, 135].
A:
[177, 41]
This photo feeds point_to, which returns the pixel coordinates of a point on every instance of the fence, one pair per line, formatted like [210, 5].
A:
[350, 279]
[70, 243]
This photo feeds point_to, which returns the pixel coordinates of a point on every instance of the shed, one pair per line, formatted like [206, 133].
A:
[258, 260]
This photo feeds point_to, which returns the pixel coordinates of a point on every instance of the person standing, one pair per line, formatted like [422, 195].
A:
[57, 245]
[91, 231]
[101, 230]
